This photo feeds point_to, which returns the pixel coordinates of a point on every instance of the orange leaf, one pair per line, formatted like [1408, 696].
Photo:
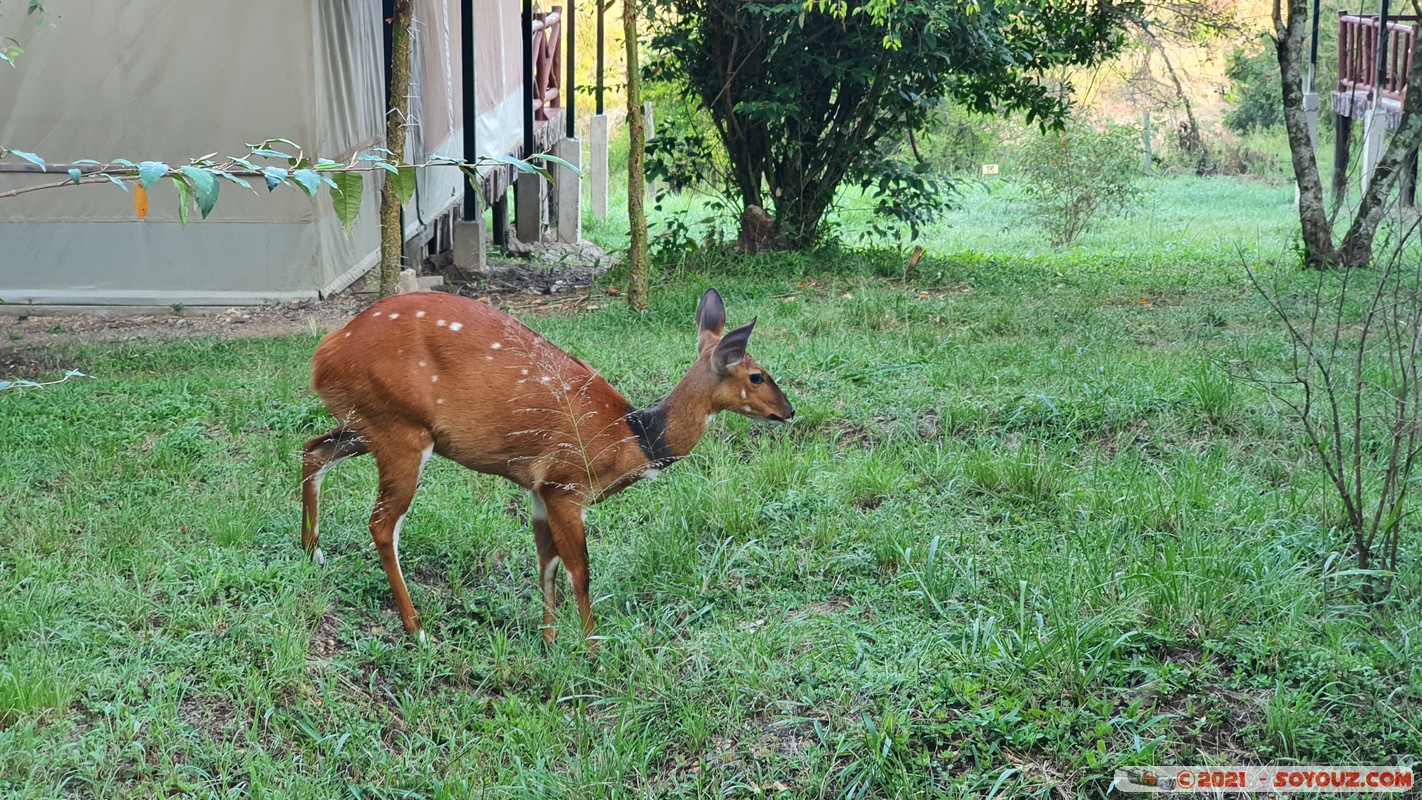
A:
[140, 201]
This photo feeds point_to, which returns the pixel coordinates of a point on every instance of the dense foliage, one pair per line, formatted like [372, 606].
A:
[804, 98]
[1254, 91]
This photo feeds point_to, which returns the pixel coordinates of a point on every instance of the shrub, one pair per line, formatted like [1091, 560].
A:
[1079, 175]
[1254, 91]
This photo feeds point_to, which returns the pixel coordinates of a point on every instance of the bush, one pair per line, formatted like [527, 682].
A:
[1254, 91]
[1075, 177]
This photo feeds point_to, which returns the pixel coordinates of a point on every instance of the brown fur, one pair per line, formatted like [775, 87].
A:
[435, 372]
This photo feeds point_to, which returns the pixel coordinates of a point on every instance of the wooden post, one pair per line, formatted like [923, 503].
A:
[1342, 134]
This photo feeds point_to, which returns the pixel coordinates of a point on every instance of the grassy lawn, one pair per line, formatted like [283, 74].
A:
[1023, 532]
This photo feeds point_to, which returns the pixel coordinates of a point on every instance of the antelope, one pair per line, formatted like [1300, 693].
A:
[428, 372]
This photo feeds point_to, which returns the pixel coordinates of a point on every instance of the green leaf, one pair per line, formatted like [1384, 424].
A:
[346, 197]
[32, 158]
[388, 167]
[205, 186]
[244, 164]
[234, 179]
[323, 164]
[517, 163]
[404, 182]
[560, 162]
[185, 198]
[150, 171]
[75, 174]
[275, 176]
[114, 179]
[264, 152]
[307, 179]
[123, 162]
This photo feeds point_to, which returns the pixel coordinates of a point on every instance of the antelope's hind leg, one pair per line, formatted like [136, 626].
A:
[400, 460]
[319, 455]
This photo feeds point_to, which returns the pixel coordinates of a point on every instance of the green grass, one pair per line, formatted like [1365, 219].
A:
[1022, 533]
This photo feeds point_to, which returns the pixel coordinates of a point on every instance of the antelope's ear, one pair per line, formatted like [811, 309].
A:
[710, 319]
[732, 348]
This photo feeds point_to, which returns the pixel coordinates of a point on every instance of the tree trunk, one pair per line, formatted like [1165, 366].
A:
[636, 176]
[1191, 141]
[392, 234]
[1356, 249]
[1318, 250]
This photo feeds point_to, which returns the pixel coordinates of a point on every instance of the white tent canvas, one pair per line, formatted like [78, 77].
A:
[166, 80]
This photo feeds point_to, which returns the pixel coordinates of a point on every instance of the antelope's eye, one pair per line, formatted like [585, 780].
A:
[757, 377]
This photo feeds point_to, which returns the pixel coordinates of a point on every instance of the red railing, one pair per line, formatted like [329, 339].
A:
[1358, 54]
[547, 62]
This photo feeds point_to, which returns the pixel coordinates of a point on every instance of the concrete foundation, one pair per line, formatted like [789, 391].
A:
[597, 164]
[531, 200]
[569, 188]
[469, 249]
[1374, 128]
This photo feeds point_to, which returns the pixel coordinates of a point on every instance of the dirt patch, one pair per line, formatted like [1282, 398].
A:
[210, 716]
[326, 639]
[554, 277]
[822, 608]
[27, 341]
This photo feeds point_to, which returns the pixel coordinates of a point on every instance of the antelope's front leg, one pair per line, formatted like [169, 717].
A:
[565, 523]
[548, 561]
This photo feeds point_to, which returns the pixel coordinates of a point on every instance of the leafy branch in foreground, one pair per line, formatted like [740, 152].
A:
[17, 384]
[1354, 386]
[10, 46]
[198, 183]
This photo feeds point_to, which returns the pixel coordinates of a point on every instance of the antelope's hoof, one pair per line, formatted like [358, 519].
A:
[318, 558]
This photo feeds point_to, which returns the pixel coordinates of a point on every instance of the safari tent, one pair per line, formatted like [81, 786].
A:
[159, 80]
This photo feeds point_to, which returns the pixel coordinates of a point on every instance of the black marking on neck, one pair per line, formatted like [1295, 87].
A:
[649, 426]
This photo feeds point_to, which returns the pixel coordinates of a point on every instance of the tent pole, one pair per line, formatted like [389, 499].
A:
[471, 150]
[601, 37]
[571, 88]
[527, 78]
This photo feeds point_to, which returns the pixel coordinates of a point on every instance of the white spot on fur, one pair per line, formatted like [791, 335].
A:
[396, 315]
[348, 334]
[496, 346]
[422, 363]
[318, 558]
[376, 314]
[521, 372]
[746, 407]
[585, 515]
[441, 323]
[709, 418]
[439, 402]
[455, 326]
[544, 379]
[540, 511]
[434, 379]
[651, 473]
[488, 358]
[419, 314]
[743, 394]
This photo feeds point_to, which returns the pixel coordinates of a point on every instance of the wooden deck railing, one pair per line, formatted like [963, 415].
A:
[1358, 54]
[547, 62]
